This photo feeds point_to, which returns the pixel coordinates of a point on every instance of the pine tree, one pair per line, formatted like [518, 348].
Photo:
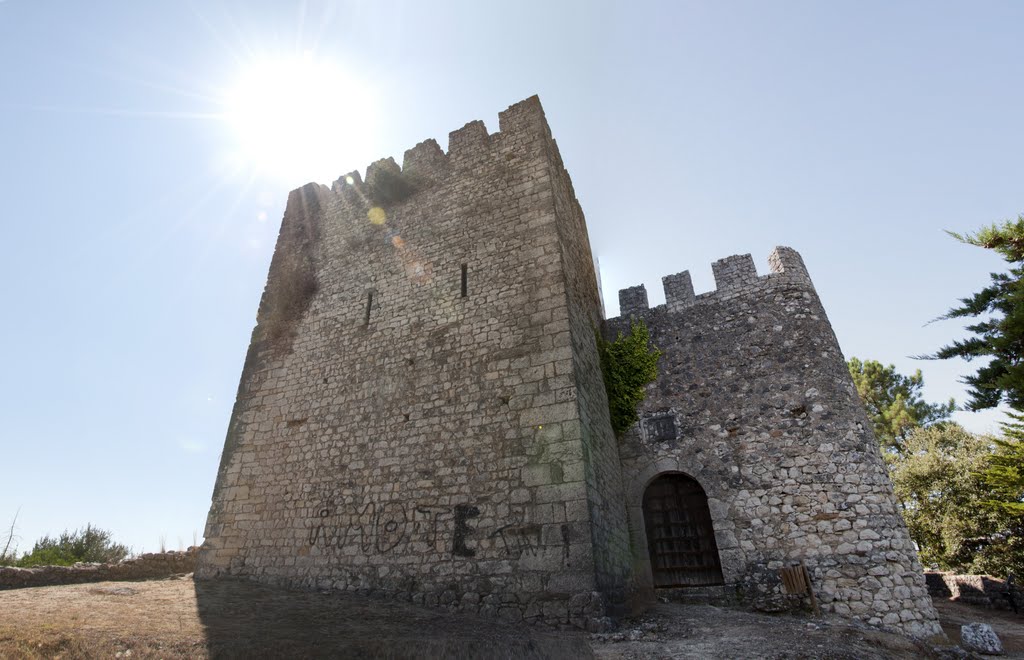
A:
[1004, 473]
[1000, 334]
[893, 401]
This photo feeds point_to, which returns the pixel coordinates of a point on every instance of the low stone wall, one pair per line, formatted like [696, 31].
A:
[147, 566]
[982, 590]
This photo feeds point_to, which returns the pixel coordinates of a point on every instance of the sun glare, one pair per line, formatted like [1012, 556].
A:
[300, 118]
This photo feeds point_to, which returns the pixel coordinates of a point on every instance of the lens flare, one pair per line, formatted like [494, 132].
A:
[300, 118]
[417, 271]
[377, 215]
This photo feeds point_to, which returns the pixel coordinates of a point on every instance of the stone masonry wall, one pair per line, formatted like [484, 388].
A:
[603, 469]
[983, 590]
[407, 420]
[765, 417]
[144, 567]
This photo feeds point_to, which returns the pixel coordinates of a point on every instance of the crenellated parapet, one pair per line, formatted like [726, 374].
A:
[426, 164]
[466, 142]
[633, 300]
[734, 276]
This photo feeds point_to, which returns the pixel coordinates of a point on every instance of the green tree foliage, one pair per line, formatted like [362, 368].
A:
[628, 364]
[946, 501]
[999, 334]
[89, 545]
[894, 402]
[1004, 474]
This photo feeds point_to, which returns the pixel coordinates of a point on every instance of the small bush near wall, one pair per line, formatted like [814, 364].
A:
[628, 364]
[91, 544]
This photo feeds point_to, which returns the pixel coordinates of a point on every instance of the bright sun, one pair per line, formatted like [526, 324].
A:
[299, 118]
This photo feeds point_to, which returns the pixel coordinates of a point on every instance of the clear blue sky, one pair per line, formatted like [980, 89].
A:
[138, 225]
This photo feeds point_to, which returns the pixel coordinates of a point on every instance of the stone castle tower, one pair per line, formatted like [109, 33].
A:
[422, 413]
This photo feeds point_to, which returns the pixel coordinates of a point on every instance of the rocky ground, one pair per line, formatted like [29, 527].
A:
[178, 618]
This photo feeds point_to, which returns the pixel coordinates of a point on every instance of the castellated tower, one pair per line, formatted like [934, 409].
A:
[754, 437]
[421, 412]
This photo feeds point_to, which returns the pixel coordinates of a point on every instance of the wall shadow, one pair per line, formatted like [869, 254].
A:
[243, 619]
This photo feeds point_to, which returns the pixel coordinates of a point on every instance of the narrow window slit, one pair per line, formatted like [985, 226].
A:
[465, 281]
[369, 306]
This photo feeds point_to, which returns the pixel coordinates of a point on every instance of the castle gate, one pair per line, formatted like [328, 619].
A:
[680, 537]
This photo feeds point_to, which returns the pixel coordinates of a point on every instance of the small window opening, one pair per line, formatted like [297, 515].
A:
[465, 281]
[369, 306]
[662, 428]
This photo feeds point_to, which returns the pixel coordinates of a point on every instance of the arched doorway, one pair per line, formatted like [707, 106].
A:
[680, 537]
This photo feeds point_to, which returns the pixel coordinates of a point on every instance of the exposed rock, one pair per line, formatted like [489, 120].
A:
[980, 637]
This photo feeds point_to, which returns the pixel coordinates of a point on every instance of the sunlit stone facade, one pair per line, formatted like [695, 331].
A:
[422, 413]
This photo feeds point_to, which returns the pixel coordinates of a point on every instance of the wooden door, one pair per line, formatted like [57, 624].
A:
[680, 537]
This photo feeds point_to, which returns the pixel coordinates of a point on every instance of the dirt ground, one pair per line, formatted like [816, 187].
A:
[1008, 626]
[179, 618]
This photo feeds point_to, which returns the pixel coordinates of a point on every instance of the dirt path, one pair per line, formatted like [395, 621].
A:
[1009, 626]
[699, 632]
[179, 618]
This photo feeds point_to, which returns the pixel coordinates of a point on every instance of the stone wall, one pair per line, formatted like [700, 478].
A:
[600, 452]
[983, 590]
[410, 417]
[762, 412]
[143, 567]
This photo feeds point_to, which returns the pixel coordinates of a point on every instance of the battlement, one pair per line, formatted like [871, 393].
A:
[735, 275]
[426, 163]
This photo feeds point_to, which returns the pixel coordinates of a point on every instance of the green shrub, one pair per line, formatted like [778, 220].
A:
[89, 545]
[628, 364]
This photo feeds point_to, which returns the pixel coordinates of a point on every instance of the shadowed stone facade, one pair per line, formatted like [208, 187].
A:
[421, 413]
[754, 401]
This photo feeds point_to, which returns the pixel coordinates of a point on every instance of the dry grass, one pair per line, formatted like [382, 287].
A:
[180, 618]
[226, 619]
[154, 619]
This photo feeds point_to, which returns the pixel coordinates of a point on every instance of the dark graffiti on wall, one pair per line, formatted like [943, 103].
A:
[377, 528]
[517, 540]
[463, 513]
[383, 527]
